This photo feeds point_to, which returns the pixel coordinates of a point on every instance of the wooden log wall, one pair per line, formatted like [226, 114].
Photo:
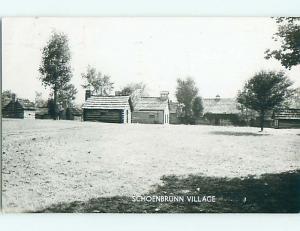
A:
[100, 115]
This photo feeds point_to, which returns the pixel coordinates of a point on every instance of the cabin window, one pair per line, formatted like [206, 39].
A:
[151, 116]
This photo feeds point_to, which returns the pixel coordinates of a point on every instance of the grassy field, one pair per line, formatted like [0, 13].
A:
[70, 166]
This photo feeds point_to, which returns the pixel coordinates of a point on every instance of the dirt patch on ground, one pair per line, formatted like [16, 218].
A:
[49, 162]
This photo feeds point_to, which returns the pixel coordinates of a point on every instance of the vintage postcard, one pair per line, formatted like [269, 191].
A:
[151, 115]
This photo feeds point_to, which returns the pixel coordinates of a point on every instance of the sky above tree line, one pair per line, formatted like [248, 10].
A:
[219, 53]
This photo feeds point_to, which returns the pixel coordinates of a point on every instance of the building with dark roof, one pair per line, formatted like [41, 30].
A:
[18, 108]
[111, 109]
[227, 111]
[152, 110]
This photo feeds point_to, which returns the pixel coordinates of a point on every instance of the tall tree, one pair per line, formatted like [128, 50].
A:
[55, 68]
[288, 35]
[96, 82]
[265, 91]
[197, 107]
[186, 91]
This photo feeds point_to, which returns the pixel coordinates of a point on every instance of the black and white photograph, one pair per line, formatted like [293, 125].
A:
[150, 115]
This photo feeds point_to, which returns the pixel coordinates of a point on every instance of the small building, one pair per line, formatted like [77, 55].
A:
[19, 108]
[152, 110]
[220, 111]
[110, 109]
[287, 118]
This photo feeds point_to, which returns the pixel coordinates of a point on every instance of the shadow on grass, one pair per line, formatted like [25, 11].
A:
[271, 193]
[228, 133]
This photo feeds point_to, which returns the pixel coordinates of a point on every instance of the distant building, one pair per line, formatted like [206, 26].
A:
[111, 109]
[220, 111]
[18, 108]
[152, 110]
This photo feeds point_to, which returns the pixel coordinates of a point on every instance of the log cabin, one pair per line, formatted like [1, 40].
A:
[220, 111]
[19, 109]
[287, 118]
[110, 109]
[152, 110]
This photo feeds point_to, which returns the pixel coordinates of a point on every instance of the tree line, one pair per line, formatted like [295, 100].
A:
[268, 90]
[264, 91]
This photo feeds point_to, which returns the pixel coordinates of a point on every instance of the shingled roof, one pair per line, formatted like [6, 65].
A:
[107, 102]
[150, 103]
[220, 106]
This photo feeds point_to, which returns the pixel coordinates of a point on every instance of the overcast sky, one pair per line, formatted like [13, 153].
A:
[219, 53]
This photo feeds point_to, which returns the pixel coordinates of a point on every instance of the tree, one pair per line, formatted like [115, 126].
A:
[90, 78]
[66, 95]
[197, 107]
[55, 68]
[6, 95]
[104, 85]
[130, 88]
[98, 84]
[288, 35]
[265, 91]
[186, 91]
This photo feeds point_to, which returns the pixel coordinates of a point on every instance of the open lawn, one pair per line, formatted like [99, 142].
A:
[49, 165]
